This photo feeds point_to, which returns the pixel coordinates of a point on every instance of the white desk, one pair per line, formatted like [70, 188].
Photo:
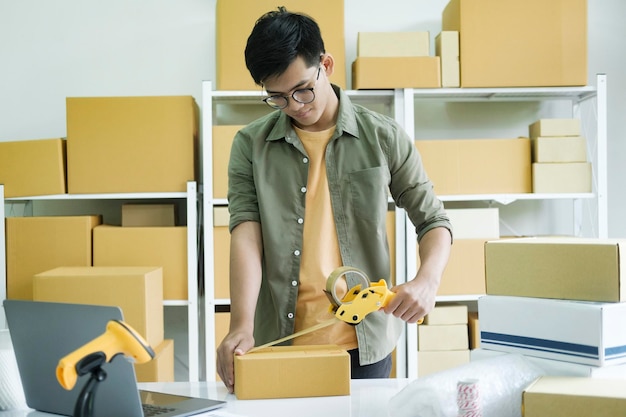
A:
[369, 398]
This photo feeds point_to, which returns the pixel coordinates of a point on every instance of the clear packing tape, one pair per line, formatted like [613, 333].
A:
[501, 381]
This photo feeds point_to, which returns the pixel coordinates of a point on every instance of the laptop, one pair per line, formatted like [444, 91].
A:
[43, 332]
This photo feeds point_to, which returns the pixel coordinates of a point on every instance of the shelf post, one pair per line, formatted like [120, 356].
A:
[3, 260]
[601, 160]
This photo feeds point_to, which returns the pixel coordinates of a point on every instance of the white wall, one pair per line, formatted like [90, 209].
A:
[53, 49]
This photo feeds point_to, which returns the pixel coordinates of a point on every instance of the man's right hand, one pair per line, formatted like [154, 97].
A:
[235, 343]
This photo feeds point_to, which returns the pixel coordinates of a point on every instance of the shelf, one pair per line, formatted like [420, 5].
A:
[104, 196]
[456, 298]
[509, 198]
[575, 94]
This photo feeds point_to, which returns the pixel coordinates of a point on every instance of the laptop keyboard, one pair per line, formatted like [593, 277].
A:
[150, 410]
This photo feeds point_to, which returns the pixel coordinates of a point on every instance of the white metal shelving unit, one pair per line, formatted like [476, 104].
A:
[190, 196]
[597, 199]
[400, 104]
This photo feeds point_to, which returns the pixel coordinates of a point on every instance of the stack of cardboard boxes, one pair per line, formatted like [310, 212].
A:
[559, 155]
[559, 302]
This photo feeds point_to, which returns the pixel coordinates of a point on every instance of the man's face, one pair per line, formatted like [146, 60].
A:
[297, 85]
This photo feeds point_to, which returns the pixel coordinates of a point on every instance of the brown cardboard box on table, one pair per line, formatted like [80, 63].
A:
[520, 43]
[293, 371]
[477, 166]
[37, 244]
[138, 291]
[235, 20]
[161, 367]
[574, 397]
[396, 72]
[33, 167]
[148, 215]
[131, 144]
[556, 267]
[141, 246]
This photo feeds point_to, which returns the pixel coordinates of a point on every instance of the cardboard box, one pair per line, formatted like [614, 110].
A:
[447, 48]
[473, 325]
[572, 331]
[392, 44]
[465, 272]
[432, 362]
[293, 371]
[554, 127]
[554, 367]
[475, 223]
[37, 244]
[442, 337]
[138, 291]
[161, 367]
[231, 38]
[141, 246]
[222, 141]
[221, 252]
[555, 267]
[520, 43]
[447, 314]
[574, 397]
[396, 72]
[562, 177]
[477, 166]
[32, 167]
[148, 215]
[131, 144]
[559, 149]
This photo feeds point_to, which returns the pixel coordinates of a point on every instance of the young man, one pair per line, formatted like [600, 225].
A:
[308, 192]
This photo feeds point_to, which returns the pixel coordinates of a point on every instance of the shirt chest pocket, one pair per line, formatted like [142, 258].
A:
[369, 192]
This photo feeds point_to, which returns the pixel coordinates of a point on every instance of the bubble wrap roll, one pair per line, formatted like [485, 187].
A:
[501, 380]
[11, 392]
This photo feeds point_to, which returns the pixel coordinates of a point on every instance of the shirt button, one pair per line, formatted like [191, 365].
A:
[303, 189]
[300, 220]
[296, 252]
[305, 160]
[290, 315]
[294, 283]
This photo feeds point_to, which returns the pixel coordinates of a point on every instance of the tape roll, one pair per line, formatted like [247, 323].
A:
[331, 287]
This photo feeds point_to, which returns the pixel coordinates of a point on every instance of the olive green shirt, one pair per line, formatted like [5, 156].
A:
[368, 155]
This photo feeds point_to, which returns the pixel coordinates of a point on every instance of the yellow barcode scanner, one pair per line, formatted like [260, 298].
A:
[118, 338]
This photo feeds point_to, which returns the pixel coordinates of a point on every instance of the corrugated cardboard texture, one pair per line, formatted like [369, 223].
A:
[37, 244]
[235, 20]
[138, 291]
[565, 268]
[293, 371]
[33, 167]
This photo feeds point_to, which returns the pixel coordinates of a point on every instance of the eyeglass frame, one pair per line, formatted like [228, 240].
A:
[286, 97]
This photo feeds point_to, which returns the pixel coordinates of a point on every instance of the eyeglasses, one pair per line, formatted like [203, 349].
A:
[303, 96]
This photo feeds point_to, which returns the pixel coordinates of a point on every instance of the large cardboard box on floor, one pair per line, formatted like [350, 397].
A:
[396, 72]
[141, 246]
[138, 291]
[293, 371]
[562, 177]
[393, 44]
[465, 271]
[520, 43]
[588, 333]
[574, 397]
[235, 20]
[33, 167]
[37, 244]
[556, 267]
[477, 166]
[222, 141]
[221, 252]
[131, 144]
[161, 367]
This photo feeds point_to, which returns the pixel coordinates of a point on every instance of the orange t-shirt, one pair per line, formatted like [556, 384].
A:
[320, 252]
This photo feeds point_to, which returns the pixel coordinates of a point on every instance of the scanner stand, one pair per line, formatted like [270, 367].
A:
[92, 364]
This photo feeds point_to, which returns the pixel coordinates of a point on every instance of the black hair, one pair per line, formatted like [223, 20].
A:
[277, 39]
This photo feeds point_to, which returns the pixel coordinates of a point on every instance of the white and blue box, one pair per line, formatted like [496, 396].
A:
[590, 333]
